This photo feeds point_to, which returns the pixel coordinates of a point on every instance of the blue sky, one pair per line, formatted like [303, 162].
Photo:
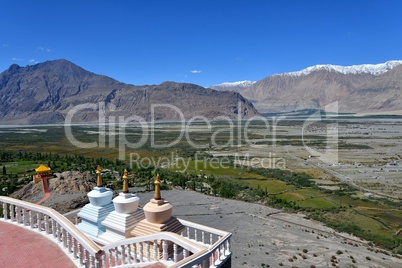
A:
[204, 42]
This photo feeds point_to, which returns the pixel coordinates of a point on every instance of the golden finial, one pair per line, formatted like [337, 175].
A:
[125, 183]
[99, 180]
[157, 195]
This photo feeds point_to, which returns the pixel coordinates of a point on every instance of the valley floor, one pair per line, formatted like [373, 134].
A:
[265, 236]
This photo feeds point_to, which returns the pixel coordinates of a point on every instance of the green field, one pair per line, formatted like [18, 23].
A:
[316, 203]
[273, 186]
[20, 166]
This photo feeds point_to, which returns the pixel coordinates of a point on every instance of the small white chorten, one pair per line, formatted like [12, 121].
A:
[99, 207]
[127, 215]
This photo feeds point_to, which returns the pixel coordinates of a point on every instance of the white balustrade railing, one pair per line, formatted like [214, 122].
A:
[217, 243]
[217, 255]
[198, 245]
[202, 234]
[52, 223]
[165, 247]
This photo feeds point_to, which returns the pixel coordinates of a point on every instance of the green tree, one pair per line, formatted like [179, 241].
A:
[4, 170]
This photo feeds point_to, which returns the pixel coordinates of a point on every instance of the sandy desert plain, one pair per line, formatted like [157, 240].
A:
[355, 165]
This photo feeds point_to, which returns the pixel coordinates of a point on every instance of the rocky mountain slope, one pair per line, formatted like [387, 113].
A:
[383, 93]
[359, 89]
[68, 191]
[47, 92]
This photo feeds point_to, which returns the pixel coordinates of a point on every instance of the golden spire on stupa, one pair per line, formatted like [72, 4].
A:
[125, 183]
[99, 179]
[157, 194]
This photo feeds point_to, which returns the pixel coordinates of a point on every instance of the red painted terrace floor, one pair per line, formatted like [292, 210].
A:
[24, 248]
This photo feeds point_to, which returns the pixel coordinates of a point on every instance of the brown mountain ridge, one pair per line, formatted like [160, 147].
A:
[46, 92]
[281, 93]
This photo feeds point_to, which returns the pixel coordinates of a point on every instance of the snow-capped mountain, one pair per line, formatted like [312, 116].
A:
[358, 88]
[244, 83]
[374, 69]
[233, 86]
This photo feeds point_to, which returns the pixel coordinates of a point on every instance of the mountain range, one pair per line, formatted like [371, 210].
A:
[367, 88]
[47, 92]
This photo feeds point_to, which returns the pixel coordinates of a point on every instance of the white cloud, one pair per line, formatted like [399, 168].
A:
[17, 59]
[33, 61]
[44, 49]
[195, 71]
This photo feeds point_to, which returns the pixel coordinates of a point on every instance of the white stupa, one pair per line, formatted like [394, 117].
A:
[99, 207]
[120, 222]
